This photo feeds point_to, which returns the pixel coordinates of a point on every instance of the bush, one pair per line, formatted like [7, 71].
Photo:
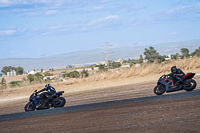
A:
[73, 74]
[84, 74]
[48, 80]
[116, 64]
[30, 77]
[15, 83]
[65, 75]
[39, 76]
[47, 73]
[3, 81]
[3, 84]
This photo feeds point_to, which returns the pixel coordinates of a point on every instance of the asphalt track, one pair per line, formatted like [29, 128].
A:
[169, 96]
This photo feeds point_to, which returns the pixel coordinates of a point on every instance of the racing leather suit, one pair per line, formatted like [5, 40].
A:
[177, 75]
[51, 90]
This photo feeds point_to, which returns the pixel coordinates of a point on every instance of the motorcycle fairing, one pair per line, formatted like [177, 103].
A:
[188, 76]
[167, 86]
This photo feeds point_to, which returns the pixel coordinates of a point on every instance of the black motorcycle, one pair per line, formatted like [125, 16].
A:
[169, 84]
[34, 102]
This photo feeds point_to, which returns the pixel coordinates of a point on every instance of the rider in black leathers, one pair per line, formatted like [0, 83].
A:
[177, 74]
[51, 90]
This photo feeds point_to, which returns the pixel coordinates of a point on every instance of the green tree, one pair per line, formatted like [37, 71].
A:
[84, 74]
[31, 77]
[101, 66]
[185, 52]
[73, 74]
[140, 59]
[7, 69]
[163, 58]
[15, 83]
[175, 56]
[197, 52]
[3, 83]
[151, 54]
[38, 76]
[19, 70]
[116, 64]
[193, 54]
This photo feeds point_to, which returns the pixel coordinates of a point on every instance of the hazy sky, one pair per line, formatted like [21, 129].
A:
[31, 28]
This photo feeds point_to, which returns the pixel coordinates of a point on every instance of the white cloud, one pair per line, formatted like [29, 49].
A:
[12, 32]
[111, 17]
[7, 32]
[98, 8]
[183, 12]
[108, 22]
[52, 12]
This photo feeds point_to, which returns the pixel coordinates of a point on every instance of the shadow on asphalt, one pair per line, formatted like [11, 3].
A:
[167, 96]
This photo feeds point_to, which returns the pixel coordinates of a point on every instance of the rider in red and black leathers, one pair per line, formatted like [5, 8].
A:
[177, 74]
[51, 90]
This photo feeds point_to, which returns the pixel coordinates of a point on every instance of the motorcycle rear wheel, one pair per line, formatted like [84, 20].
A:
[191, 85]
[61, 102]
[159, 89]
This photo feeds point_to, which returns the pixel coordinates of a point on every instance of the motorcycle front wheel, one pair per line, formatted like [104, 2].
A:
[30, 106]
[159, 89]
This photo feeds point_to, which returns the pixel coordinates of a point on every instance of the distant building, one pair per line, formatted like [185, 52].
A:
[120, 60]
[48, 77]
[12, 73]
[137, 65]
[125, 65]
[88, 69]
[169, 57]
[34, 72]
[69, 66]
[145, 61]
[104, 63]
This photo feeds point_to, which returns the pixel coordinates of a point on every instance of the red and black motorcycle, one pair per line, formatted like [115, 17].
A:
[169, 84]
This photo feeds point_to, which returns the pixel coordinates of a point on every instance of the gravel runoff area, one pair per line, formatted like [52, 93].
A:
[122, 109]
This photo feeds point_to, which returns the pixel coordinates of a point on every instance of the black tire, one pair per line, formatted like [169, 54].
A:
[191, 86]
[159, 89]
[30, 106]
[61, 102]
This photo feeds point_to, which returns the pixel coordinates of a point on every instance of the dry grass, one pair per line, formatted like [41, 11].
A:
[146, 69]
[116, 77]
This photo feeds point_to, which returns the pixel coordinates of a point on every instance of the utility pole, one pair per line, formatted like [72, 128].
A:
[108, 58]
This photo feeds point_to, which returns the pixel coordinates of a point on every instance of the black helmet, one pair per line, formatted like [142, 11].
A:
[174, 69]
